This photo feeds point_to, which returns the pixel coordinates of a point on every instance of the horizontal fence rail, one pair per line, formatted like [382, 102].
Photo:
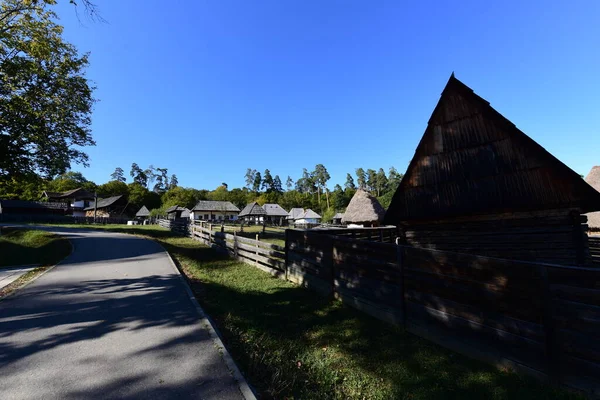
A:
[266, 256]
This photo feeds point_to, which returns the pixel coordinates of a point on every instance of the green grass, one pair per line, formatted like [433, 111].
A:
[28, 246]
[293, 344]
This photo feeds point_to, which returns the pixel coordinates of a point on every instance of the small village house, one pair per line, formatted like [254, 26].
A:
[593, 179]
[177, 212]
[253, 213]
[293, 215]
[77, 199]
[275, 214]
[208, 210]
[337, 219]
[308, 217]
[477, 184]
[110, 207]
[143, 214]
[364, 210]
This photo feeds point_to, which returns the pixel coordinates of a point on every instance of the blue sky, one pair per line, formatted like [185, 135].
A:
[210, 88]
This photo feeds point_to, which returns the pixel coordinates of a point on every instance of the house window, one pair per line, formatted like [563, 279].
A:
[206, 216]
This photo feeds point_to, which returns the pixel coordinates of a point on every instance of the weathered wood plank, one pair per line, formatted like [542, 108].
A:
[380, 311]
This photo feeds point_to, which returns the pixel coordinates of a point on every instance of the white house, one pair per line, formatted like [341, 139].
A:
[78, 199]
[307, 217]
[207, 210]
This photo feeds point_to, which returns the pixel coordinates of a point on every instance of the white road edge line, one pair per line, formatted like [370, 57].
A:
[233, 368]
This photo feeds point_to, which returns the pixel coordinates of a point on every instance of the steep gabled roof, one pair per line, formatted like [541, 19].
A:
[275, 210]
[472, 160]
[78, 193]
[593, 179]
[209, 205]
[309, 214]
[338, 216]
[107, 202]
[143, 212]
[295, 212]
[252, 209]
[363, 209]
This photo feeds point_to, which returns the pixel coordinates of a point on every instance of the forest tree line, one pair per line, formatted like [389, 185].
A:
[155, 188]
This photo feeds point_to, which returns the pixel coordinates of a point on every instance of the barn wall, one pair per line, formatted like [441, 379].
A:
[552, 236]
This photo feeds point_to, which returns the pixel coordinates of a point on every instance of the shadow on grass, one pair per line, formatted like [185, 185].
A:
[294, 343]
[25, 246]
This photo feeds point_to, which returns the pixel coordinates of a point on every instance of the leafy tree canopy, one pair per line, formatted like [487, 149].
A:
[45, 99]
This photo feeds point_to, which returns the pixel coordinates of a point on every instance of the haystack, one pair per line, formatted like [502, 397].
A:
[593, 179]
[363, 209]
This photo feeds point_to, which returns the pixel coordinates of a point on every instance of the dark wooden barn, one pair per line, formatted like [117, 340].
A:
[477, 184]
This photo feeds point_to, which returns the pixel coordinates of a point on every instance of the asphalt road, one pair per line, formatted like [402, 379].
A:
[112, 321]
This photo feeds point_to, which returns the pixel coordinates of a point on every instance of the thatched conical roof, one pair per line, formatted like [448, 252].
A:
[593, 179]
[363, 209]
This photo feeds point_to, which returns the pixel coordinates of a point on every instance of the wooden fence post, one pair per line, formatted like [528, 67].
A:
[256, 259]
[552, 362]
[209, 234]
[381, 235]
[400, 261]
[235, 250]
[287, 246]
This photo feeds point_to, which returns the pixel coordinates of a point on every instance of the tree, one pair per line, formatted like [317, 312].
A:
[305, 184]
[174, 182]
[371, 180]
[394, 178]
[118, 175]
[361, 178]
[321, 176]
[381, 182]
[139, 176]
[277, 184]
[267, 181]
[140, 196]
[349, 182]
[45, 99]
[113, 188]
[289, 183]
[69, 181]
[257, 182]
[250, 178]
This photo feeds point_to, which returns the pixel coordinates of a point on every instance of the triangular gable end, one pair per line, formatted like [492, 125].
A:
[472, 160]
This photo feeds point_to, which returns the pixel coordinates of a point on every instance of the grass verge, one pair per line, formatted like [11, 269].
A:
[293, 344]
[27, 247]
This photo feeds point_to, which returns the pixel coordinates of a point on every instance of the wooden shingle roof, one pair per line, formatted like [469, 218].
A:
[107, 202]
[252, 209]
[472, 160]
[143, 212]
[209, 205]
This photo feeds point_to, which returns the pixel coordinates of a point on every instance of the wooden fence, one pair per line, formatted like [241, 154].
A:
[266, 256]
[181, 226]
[594, 243]
[385, 234]
[538, 318]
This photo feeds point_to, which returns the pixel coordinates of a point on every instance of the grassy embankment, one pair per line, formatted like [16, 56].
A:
[294, 344]
[30, 247]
